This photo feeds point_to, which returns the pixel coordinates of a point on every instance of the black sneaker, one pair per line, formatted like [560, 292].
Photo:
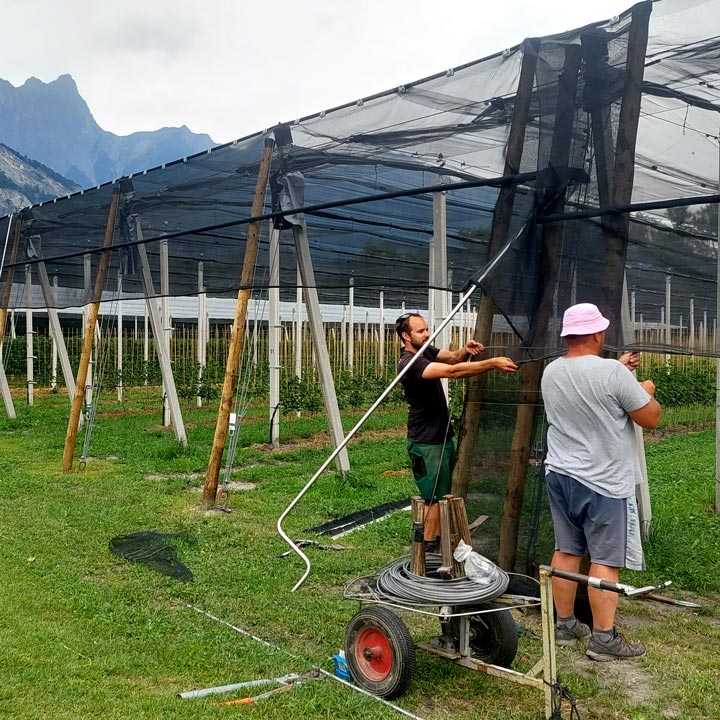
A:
[432, 546]
[569, 636]
[619, 648]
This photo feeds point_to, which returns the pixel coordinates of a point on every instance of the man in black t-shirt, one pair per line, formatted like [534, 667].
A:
[429, 438]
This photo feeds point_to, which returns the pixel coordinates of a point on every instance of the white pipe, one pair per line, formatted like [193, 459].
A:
[488, 269]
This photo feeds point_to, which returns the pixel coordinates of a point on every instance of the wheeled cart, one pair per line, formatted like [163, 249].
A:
[380, 651]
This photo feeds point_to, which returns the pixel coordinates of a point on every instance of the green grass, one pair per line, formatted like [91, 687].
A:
[87, 635]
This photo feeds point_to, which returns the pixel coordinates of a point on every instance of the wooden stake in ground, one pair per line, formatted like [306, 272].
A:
[4, 302]
[417, 562]
[236, 338]
[93, 310]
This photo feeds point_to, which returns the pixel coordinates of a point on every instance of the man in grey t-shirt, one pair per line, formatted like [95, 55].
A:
[592, 467]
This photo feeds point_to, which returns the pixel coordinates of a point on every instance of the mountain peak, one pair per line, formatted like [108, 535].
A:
[51, 123]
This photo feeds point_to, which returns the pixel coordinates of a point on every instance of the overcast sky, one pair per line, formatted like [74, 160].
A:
[232, 67]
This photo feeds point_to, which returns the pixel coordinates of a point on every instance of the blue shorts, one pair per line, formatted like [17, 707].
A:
[607, 528]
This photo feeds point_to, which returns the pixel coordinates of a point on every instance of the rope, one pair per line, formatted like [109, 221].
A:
[99, 372]
[560, 693]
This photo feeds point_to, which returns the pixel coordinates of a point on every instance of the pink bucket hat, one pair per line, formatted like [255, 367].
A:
[583, 319]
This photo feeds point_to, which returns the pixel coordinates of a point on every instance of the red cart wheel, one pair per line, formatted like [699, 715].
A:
[379, 652]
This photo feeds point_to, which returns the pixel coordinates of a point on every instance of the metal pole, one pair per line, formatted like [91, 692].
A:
[476, 282]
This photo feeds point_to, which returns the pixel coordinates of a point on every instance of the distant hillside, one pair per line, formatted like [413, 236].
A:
[51, 123]
[26, 182]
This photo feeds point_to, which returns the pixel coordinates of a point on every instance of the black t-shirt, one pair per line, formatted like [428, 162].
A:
[428, 414]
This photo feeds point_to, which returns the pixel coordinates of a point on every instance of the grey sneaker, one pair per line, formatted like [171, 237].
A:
[619, 648]
[568, 636]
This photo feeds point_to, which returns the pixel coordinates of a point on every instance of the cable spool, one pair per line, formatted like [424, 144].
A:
[398, 584]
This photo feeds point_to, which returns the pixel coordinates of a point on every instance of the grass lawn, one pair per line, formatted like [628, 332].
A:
[85, 634]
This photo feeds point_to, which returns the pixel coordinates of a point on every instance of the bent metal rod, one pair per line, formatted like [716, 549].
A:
[473, 285]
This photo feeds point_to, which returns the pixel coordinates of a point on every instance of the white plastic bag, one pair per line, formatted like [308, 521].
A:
[477, 568]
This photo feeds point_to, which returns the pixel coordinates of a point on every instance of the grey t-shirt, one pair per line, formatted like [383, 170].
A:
[590, 436]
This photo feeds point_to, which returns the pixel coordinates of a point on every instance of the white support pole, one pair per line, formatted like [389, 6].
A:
[691, 324]
[119, 338]
[381, 332]
[332, 410]
[201, 329]
[351, 325]
[29, 332]
[642, 489]
[56, 331]
[274, 336]
[88, 287]
[438, 305]
[53, 346]
[163, 354]
[716, 345]
[164, 336]
[668, 284]
[146, 342]
[298, 326]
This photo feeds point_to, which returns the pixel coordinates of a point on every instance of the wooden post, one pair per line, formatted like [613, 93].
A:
[274, 327]
[236, 338]
[119, 354]
[29, 335]
[624, 170]
[164, 338]
[4, 302]
[56, 329]
[417, 561]
[78, 397]
[502, 217]
[322, 357]
[9, 275]
[201, 329]
[529, 374]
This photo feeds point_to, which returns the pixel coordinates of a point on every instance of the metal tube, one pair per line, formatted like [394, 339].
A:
[476, 281]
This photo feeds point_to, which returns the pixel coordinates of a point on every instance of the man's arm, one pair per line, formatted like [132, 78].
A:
[648, 416]
[452, 357]
[439, 370]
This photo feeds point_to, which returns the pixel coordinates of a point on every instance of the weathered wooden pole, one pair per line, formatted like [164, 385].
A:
[4, 302]
[624, 169]
[529, 374]
[9, 275]
[236, 338]
[502, 217]
[93, 310]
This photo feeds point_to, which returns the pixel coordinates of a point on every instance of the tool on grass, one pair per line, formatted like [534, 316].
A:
[306, 543]
[292, 681]
[646, 593]
[284, 680]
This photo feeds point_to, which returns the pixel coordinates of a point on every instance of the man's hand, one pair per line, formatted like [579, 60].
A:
[473, 347]
[649, 386]
[505, 364]
[630, 360]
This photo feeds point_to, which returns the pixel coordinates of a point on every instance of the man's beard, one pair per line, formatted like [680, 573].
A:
[416, 345]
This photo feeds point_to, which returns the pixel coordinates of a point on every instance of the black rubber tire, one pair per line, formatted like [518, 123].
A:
[493, 636]
[379, 652]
